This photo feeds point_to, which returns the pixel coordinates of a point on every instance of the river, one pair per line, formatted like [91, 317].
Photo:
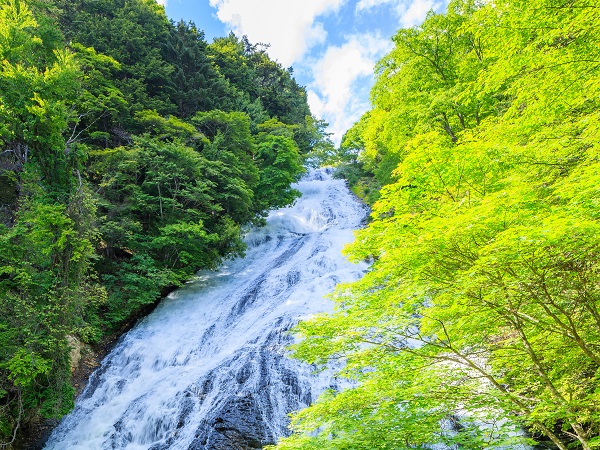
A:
[209, 368]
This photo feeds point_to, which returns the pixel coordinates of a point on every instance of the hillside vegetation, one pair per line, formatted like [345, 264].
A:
[131, 154]
[478, 324]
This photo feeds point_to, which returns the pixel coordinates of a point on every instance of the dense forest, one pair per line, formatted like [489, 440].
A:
[132, 153]
[478, 325]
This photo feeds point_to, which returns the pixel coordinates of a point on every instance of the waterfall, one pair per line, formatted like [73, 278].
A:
[208, 369]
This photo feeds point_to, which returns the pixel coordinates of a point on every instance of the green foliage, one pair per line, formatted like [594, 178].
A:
[481, 305]
[279, 163]
[160, 220]
[47, 291]
[197, 84]
[129, 159]
[230, 147]
[361, 180]
[167, 128]
[133, 33]
[24, 367]
[36, 93]
[100, 102]
[261, 87]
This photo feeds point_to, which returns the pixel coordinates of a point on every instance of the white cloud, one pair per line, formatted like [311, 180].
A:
[409, 12]
[290, 26]
[336, 94]
[416, 11]
[162, 2]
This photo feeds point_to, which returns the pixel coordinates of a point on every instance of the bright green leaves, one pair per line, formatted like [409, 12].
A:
[38, 89]
[99, 101]
[48, 227]
[47, 290]
[186, 244]
[482, 303]
[16, 26]
[24, 367]
[167, 128]
[433, 69]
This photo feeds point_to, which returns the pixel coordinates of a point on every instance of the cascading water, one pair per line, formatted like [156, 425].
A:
[208, 368]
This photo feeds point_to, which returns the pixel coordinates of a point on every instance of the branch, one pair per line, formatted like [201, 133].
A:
[16, 429]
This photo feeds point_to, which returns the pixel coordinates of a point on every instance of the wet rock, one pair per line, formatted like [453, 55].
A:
[238, 426]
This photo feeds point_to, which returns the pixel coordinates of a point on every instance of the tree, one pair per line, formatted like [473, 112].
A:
[134, 33]
[39, 85]
[198, 86]
[47, 285]
[279, 165]
[481, 305]
[160, 220]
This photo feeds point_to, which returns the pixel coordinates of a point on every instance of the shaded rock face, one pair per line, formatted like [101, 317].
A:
[208, 369]
[238, 426]
[75, 352]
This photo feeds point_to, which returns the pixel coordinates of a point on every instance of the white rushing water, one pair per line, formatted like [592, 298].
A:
[208, 368]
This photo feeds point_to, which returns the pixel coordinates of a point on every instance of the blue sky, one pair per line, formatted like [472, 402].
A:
[332, 45]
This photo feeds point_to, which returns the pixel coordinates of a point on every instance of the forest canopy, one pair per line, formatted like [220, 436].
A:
[478, 324]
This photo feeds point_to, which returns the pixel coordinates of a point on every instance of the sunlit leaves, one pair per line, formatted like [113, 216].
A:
[484, 241]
